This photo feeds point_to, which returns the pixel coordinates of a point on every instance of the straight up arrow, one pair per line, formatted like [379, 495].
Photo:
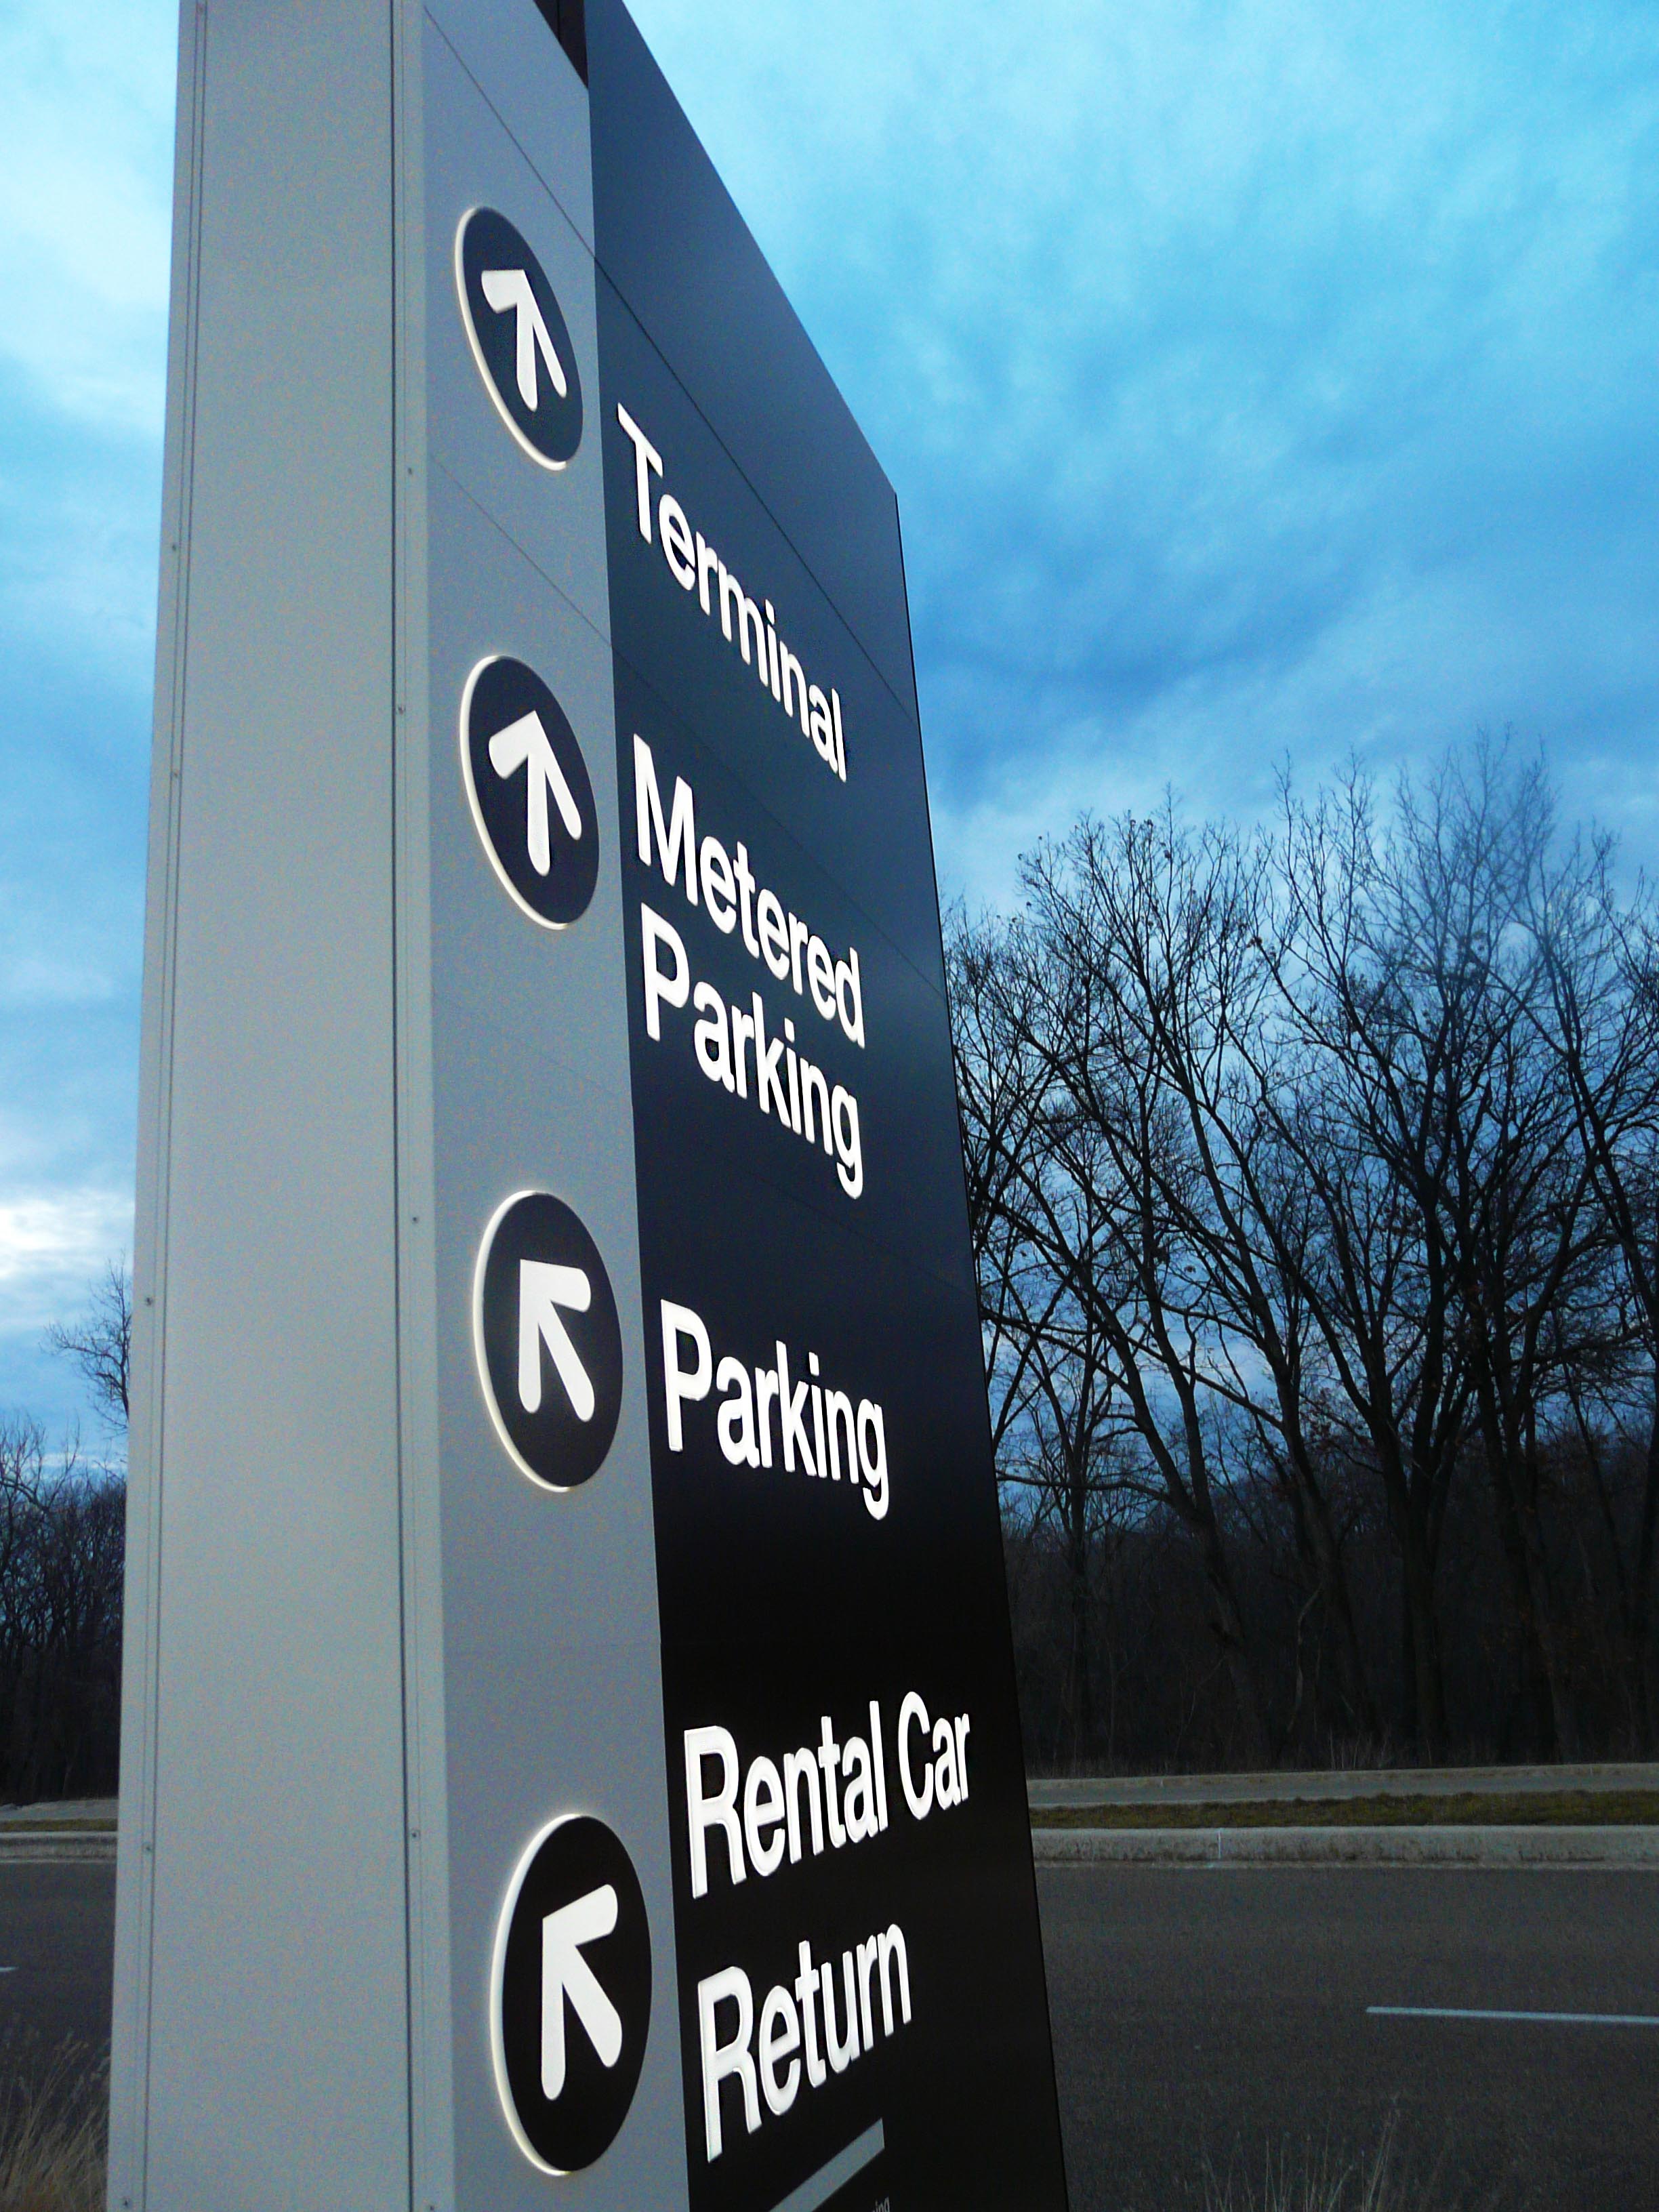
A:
[566, 1973]
[525, 744]
[543, 1289]
[510, 288]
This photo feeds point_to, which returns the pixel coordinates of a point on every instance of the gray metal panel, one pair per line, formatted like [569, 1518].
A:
[431, 2116]
[354, 1045]
[552, 1663]
[471, 159]
[537, 96]
[277, 2062]
[129, 2051]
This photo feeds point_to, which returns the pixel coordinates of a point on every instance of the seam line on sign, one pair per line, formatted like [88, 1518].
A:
[1533, 2019]
[819, 2187]
[676, 720]
[609, 645]
[912, 715]
[677, 716]
[442, 466]
[523, 151]
[404, 226]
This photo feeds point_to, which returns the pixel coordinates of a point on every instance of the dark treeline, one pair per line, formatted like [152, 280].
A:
[63, 1534]
[62, 1528]
[1314, 1181]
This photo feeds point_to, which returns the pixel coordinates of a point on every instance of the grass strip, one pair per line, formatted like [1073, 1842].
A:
[94, 1828]
[1544, 1808]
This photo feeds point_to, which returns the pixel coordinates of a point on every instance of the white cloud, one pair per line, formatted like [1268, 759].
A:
[86, 122]
[1259, 376]
[53, 1244]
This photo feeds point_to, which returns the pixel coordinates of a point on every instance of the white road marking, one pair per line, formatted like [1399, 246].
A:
[1537, 2019]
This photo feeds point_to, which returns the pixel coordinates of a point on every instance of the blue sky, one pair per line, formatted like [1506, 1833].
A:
[1261, 379]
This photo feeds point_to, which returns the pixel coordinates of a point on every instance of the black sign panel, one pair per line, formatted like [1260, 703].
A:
[862, 1999]
[570, 2004]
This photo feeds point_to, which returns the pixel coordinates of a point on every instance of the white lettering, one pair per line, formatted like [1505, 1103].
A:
[779, 2034]
[913, 1714]
[677, 544]
[872, 1457]
[668, 987]
[814, 1423]
[647, 459]
[790, 2053]
[682, 1385]
[723, 2062]
[677, 839]
[703, 1812]
[762, 1813]
[696, 565]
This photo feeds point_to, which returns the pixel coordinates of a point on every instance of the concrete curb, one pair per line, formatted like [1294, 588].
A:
[1446, 1846]
[46, 1844]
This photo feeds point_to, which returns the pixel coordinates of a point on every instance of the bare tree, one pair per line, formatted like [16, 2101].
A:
[1062, 1458]
[999, 1095]
[1517, 1196]
[1049, 1372]
[1311, 1175]
[100, 1342]
[1361, 1107]
[1102, 970]
[1600, 1012]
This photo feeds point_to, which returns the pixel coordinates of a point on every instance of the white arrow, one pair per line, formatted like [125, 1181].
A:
[510, 288]
[566, 1973]
[543, 1289]
[524, 745]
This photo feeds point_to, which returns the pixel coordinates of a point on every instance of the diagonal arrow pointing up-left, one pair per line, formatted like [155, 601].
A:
[543, 1289]
[525, 744]
[566, 1973]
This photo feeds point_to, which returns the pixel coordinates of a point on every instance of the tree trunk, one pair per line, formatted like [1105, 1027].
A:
[1081, 1696]
[1537, 1689]
[1333, 1592]
[1228, 1626]
[1426, 1691]
[1641, 1611]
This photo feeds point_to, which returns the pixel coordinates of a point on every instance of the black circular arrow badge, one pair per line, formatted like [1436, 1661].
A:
[548, 1341]
[519, 337]
[570, 2003]
[528, 786]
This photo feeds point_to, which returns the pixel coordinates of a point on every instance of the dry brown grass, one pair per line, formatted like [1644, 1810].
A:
[1321, 2180]
[54, 2122]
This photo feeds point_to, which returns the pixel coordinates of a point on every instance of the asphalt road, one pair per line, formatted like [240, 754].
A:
[1221, 2013]
[56, 1941]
